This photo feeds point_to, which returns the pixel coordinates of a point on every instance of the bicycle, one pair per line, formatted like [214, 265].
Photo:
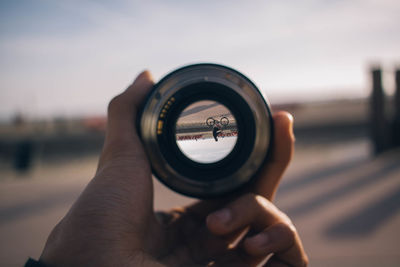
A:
[224, 121]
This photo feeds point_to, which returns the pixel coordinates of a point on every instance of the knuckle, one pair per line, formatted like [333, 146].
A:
[249, 197]
[256, 202]
[284, 218]
[289, 231]
[253, 200]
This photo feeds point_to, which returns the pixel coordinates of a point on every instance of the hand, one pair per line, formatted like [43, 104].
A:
[113, 222]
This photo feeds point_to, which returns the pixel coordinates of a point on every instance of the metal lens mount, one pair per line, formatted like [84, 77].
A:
[205, 82]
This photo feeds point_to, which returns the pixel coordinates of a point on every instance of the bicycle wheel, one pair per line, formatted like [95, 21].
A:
[210, 121]
[224, 121]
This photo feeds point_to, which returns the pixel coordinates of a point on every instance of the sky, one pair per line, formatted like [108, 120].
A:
[69, 58]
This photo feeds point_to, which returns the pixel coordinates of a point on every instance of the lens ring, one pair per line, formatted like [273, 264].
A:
[187, 85]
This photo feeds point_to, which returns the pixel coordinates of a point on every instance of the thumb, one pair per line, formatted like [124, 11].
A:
[122, 108]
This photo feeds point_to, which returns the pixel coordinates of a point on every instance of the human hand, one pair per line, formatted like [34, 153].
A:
[113, 222]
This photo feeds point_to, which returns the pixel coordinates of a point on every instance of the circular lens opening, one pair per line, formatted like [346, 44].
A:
[206, 131]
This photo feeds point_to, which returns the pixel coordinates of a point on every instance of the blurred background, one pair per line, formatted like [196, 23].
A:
[333, 64]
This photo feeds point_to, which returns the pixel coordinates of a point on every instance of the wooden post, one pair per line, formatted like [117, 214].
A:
[377, 123]
[396, 120]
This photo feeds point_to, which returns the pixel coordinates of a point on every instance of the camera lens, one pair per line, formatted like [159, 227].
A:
[206, 130]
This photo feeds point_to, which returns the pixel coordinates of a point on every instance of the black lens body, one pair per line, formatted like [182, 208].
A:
[192, 84]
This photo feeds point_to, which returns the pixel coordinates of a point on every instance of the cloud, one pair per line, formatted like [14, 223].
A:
[79, 53]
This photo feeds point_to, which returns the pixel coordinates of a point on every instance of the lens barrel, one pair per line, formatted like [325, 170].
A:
[206, 109]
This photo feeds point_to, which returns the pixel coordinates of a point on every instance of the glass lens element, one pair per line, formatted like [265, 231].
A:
[206, 131]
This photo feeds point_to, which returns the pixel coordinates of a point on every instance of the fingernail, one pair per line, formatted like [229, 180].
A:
[260, 240]
[222, 216]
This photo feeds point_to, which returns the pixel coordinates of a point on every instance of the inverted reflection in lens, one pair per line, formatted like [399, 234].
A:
[206, 131]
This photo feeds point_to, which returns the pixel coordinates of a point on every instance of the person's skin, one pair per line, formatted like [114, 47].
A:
[113, 222]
